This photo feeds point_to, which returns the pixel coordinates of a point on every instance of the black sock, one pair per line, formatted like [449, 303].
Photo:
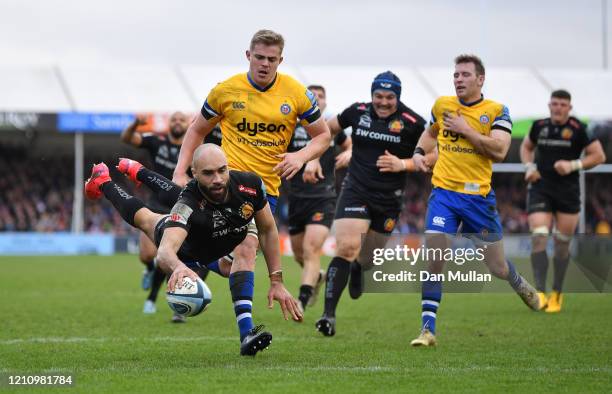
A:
[166, 191]
[539, 263]
[560, 264]
[126, 204]
[306, 291]
[337, 278]
[203, 273]
[158, 279]
[150, 265]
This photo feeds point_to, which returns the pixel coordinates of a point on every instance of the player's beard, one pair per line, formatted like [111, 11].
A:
[177, 132]
[215, 193]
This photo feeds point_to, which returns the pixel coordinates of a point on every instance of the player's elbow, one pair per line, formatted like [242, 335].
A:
[601, 157]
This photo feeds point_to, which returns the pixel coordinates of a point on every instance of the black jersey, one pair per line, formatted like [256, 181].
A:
[325, 187]
[214, 230]
[164, 153]
[558, 142]
[398, 134]
[214, 137]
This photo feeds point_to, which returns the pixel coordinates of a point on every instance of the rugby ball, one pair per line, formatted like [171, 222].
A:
[191, 299]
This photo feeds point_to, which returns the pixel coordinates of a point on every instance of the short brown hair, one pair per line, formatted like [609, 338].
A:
[561, 94]
[267, 37]
[465, 58]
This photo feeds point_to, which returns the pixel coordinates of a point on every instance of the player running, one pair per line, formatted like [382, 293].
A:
[554, 190]
[385, 132]
[209, 218]
[164, 151]
[312, 200]
[470, 133]
[258, 111]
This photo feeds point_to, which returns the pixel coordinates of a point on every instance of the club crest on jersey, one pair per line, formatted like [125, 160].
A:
[395, 126]
[285, 109]
[389, 225]
[317, 217]
[247, 190]
[566, 134]
[365, 120]
[484, 119]
[246, 210]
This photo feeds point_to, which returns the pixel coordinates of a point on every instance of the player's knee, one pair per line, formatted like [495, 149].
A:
[539, 238]
[347, 249]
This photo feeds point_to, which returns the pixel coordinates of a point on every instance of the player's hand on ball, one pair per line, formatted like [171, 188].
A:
[343, 159]
[290, 164]
[176, 279]
[563, 167]
[389, 163]
[288, 304]
[313, 171]
[180, 179]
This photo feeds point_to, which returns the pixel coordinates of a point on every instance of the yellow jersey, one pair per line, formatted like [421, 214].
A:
[459, 167]
[257, 123]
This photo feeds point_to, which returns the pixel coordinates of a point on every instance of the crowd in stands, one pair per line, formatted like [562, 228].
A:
[36, 194]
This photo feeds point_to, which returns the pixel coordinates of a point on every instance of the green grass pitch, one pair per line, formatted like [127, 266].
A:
[83, 315]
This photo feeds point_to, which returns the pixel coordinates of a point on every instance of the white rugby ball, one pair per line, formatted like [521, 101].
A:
[191, 299]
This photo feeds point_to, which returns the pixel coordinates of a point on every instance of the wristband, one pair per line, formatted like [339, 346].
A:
[418, 150]
[530, 167]
[576, 165]
[276, 276]
[404, 168]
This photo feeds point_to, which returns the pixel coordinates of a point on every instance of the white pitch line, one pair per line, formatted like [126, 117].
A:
[17, 341]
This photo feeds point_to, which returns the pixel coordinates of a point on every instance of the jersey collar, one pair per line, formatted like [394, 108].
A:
[472, 103]
[253, 84]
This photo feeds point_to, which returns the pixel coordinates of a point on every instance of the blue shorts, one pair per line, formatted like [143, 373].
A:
[272, 200]
[446, 210]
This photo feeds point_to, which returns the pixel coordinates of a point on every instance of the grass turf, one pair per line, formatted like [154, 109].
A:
[83, 315]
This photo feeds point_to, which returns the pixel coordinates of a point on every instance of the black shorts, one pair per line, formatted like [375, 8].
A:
[381, 212]
[547, 196]
[305, 211]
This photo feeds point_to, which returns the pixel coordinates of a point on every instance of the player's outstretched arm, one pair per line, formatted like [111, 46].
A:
[168, 260]
[268, 239]
[197, 131]
[129, 134]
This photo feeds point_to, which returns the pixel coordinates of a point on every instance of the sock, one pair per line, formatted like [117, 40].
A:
[158, 279]
[337, 278]
[356, 272]
[306, 291]
[513, 277]
[431, 295]
[560, 264]
[126, 205]
[539, 263]
[214, 267]
[242, 285]
[167, 192]
[203, 273]
[150, 265]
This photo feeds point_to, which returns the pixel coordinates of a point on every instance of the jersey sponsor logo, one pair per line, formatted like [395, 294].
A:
[230, 230]
[484, 119]
[411, 118]
[317, 217]
[246, 210]
[396, 126]
[218, 219]
[471, 187]
[454, 137]
[285, 109]
[365, 120]
[247, 190]
[554, 142]
[362, 107]
[389, 225]
[180, 213]
[261, 142]
[457, 149]
[438, 221]
[378, 136]
[238, 105]
[361, 209]
[259, 127]
[567, 133]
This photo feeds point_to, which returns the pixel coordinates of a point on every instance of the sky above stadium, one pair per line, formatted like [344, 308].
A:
[546, 33]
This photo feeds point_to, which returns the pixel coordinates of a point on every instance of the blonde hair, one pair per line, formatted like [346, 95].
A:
[268, 37]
